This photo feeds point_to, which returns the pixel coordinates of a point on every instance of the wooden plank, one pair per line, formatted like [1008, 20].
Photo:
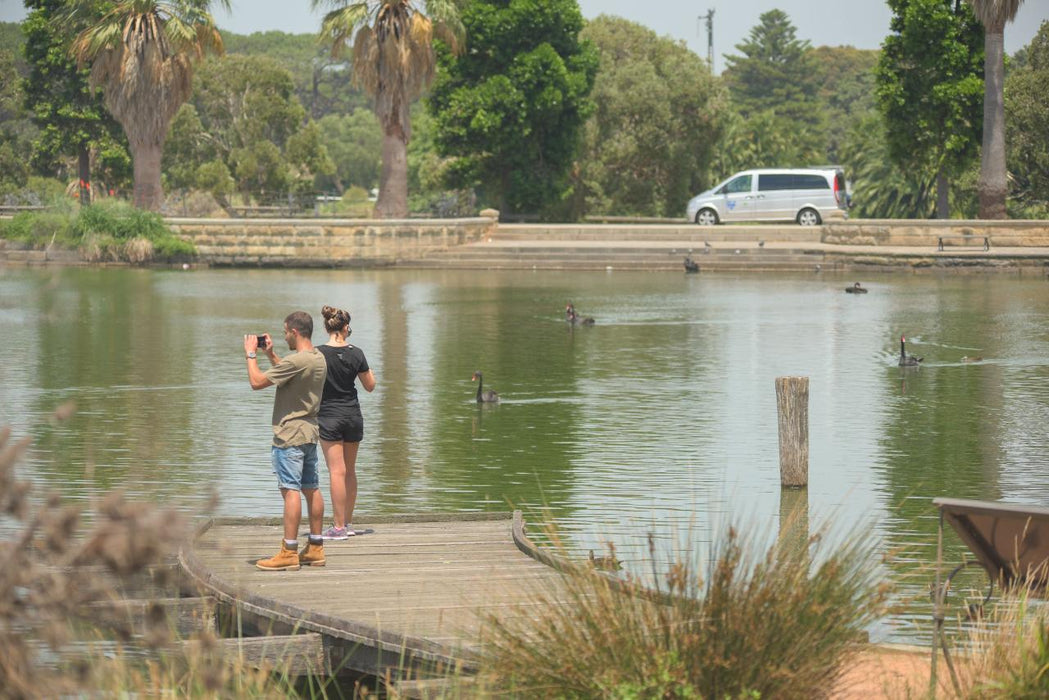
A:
[417, 590]
[295, 654]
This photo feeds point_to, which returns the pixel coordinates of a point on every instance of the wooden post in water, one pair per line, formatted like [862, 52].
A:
[794, 522]
[792, 406]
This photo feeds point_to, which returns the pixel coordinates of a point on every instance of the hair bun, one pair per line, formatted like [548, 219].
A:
[328, 311]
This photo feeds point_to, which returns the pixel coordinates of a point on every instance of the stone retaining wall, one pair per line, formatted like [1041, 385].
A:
[897, 232]
[325, 242]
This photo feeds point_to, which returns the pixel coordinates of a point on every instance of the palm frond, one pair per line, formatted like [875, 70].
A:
[447, 26]
[995, 13]
[339, 25]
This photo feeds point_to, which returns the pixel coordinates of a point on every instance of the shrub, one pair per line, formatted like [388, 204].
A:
[39, 230]
[776, 628]
[109, 230]
[55, 581]
[121, 221]
[1007, 652]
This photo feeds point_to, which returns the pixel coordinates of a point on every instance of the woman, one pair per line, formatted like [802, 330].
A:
[340, 419]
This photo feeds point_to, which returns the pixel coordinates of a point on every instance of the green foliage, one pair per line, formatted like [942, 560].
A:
[930, 86]
[764, 140]
[776, 71]
[108, 230]
[16, 132]
[1027, 129]
[244, 114]
[777, 626]
[846, 88]
[71, 118]
[880, 189]
[649, 144]
[775, 81]
[511, 109]
[321, 83]
[354, 143]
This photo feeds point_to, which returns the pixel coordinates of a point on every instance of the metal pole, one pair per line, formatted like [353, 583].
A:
[937, 613]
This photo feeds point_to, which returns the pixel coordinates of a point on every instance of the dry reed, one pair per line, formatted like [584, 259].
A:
[57, 582]
[779, 626]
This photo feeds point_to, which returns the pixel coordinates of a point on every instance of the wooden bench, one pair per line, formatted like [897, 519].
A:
[965, 237]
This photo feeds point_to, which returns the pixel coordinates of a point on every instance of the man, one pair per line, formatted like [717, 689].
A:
[299, 378]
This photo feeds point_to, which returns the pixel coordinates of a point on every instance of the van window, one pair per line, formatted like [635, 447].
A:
[811, 182]
[778, 181]
[739, 184]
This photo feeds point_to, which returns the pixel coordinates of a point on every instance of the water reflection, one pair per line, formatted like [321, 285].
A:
[659, 418]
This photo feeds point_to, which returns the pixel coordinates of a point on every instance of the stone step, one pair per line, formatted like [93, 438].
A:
[482, 251]
[658, 232]
[591, 259]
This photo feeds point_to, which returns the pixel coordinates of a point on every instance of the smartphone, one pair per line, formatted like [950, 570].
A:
[262, 341]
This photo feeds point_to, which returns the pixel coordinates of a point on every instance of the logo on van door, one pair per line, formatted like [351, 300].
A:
[731, 204]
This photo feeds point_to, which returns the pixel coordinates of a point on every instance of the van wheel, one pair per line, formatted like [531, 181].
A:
[706, 217]
[809, 217]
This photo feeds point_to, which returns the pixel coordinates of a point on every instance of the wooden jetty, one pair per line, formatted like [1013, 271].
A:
[408, 598]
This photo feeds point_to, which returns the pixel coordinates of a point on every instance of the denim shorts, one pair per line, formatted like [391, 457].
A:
[296, 467]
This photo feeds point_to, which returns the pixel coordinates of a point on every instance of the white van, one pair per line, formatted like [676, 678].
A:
[808, 196]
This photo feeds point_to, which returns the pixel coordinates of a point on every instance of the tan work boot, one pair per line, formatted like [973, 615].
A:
[287, 559]
[312, 555]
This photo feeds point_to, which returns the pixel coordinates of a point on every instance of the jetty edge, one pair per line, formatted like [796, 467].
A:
[405, 601]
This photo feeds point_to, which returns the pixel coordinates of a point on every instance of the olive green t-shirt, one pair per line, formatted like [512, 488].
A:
[299, 378]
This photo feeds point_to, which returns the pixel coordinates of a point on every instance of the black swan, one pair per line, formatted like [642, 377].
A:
[484, 396]
[575, 319]
[608, 562]
[905, 359]
[690, 264]
[856, 289]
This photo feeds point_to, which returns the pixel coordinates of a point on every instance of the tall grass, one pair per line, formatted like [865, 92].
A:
[110, 230]
[1007, 653]
[774, 626]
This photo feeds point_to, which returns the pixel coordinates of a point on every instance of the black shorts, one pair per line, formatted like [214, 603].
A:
[348, 426]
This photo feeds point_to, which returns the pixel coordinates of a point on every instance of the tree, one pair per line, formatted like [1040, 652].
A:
[511, 109]
[881, 190]
[15, 141]
[657, 119]
[994, 15]
[354, 142]
[69, 113]
[776, 79]
[1027, 126]
[930, 84]
[320, 81]
[244, 113]
[394, 60]
[142, 53]
[845, 80]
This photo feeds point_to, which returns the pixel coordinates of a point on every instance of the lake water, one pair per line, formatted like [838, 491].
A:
[660, 418]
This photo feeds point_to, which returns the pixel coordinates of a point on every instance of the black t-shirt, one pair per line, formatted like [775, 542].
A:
[344, 364]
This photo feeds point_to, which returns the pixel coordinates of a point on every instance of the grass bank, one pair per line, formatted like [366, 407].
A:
[108, 231]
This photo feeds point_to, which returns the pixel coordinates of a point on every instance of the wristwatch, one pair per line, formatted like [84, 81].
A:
[251, 356]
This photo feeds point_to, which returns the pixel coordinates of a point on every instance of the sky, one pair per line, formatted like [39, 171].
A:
[859, 23]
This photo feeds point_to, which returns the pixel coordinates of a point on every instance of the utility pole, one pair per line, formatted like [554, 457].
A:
[710, 38]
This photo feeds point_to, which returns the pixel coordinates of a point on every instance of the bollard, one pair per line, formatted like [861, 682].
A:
[792, 406]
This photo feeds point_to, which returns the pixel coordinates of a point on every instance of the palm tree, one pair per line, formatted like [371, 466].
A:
[994, 15]
[394, 60]
[142, 54]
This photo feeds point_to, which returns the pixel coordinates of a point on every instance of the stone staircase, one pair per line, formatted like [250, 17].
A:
[633, 247]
